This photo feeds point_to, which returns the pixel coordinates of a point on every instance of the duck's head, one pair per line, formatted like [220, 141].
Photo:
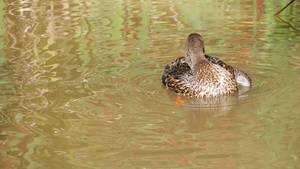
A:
[194, 50]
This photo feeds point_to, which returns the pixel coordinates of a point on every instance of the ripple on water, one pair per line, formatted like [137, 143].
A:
[140, 83]
[268, 82]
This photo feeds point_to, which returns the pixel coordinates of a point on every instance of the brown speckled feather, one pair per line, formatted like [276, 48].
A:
[179, 78]
[238, 73]
[198, 75]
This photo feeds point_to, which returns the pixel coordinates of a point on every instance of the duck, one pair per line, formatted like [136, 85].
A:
[199, 75]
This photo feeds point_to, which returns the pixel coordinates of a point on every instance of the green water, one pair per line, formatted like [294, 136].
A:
[80, 85]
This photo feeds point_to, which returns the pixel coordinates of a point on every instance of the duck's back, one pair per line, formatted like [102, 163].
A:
[209, 80]
[240, 76]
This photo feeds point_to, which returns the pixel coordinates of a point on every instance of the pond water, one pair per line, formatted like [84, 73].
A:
[80, 85]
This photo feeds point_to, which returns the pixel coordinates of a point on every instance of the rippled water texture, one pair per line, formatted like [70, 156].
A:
[80, 85]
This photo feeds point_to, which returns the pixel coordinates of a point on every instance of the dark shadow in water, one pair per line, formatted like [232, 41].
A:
[284, 8]
[290, 25]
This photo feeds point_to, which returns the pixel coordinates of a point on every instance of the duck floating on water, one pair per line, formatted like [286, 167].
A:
[199, 75]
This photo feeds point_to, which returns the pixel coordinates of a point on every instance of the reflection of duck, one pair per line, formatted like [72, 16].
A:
[199, 75]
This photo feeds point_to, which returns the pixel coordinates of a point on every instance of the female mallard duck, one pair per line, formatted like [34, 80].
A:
[199, 75]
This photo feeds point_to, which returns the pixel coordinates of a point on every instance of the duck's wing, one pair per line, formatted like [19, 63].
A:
[240, 76]
[216, 60]
[177, 75]
[178, 66]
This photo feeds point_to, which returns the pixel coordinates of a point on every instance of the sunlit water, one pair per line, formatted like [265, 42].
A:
[80, 85]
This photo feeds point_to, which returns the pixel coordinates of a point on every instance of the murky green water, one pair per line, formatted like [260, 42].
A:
[80, 85]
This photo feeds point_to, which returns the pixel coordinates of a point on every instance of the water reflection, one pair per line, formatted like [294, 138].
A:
[80, 85]
[43, 48]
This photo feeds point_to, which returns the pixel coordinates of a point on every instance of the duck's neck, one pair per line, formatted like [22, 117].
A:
[193, 58]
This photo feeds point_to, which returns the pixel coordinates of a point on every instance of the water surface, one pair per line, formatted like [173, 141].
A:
[80, 85]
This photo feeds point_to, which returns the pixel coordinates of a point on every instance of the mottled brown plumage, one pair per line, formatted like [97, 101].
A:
[199, 75]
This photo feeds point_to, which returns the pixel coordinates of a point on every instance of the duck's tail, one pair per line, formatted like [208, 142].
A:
[241, 77]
